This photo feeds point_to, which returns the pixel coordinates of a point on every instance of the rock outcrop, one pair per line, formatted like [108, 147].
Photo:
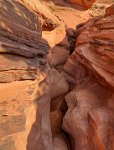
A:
[89, 119]
[23, 79]
[21, 45]
[94, 48]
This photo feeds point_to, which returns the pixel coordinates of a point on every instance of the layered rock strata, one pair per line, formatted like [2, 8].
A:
[23, 79]
[89, 119]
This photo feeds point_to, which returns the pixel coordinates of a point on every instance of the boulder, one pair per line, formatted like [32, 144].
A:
[58, 84]
[58, 56]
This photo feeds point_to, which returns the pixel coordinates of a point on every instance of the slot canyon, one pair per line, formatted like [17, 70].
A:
[56, 74]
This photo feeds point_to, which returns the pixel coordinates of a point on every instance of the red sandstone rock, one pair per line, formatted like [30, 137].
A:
[89, 119]
[25, 105]
[19, 34]
[110, 11]
[23, 81]
[56, 121]
[59, 143]
[94, 48]
[84, 3]
[17, 112]
[58, 55]
[58, 85]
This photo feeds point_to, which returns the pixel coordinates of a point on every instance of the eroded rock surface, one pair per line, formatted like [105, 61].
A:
[33, 92]
[89, 119]
[110, 11]
[94, 48]
[23, 79]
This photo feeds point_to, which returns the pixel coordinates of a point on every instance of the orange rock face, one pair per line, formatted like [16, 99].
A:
[24, 85]
[22, 55]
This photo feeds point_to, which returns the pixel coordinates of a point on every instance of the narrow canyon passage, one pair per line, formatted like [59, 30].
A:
[56, 75]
